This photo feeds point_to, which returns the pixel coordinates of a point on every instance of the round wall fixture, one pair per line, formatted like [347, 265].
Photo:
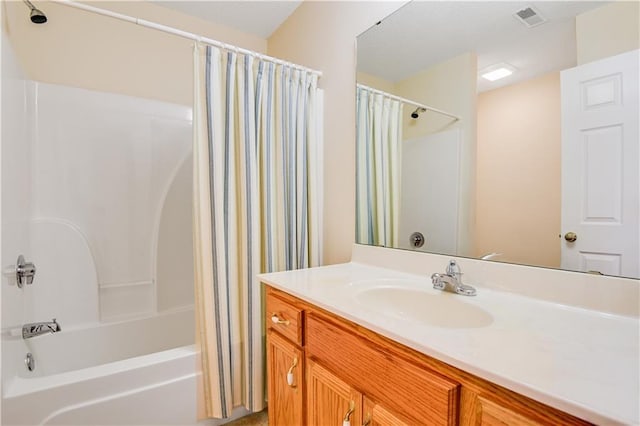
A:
[416, 240]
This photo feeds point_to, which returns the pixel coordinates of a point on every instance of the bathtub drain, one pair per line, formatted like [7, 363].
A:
[30, 362]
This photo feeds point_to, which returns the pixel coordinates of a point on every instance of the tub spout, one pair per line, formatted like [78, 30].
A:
[37, 328]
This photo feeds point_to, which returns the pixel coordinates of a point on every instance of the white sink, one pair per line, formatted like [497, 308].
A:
[400, 299]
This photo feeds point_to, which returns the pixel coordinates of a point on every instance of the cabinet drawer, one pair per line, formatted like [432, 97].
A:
[380, 372]
[284, 317]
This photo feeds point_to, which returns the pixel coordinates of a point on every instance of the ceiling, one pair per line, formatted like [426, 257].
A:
[424, 33]
[260, 18]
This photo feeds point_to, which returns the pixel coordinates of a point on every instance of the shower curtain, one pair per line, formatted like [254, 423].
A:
[256, 209]
[378, 160]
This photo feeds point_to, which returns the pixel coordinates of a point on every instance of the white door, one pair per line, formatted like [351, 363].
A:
[600, 161]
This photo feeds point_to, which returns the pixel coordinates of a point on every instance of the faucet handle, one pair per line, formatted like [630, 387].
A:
[25, 271]
[436, 280]
[453, 268]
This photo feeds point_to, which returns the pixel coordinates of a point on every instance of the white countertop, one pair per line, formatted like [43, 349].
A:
[583, 362]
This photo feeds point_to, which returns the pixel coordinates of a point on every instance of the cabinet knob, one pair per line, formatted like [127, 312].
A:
[347, 417]
[290, 380]
[277, 320]
[367, 421]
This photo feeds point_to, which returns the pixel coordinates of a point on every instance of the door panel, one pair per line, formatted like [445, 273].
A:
[285, 395]
[329, 398]
[600, 157]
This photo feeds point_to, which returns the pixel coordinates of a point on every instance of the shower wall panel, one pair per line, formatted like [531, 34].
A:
[103, 165]
[430, 183]
[15, 181]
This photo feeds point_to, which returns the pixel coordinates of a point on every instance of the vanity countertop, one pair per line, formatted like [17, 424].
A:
[581, 361]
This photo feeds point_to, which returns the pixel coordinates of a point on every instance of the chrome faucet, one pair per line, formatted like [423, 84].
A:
[451, 281]
[37, 328]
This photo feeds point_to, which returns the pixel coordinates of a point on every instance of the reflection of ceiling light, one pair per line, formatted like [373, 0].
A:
[496, 72]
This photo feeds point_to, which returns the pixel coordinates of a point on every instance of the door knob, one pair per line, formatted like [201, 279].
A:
[570, 236]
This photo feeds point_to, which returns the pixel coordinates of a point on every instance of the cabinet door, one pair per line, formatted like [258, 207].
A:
[285, 381]
[330, 401]
[376, 415]
[490, 413]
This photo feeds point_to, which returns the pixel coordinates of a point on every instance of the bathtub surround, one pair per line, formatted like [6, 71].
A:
[87, 184]
[102, 281]
[16, 203]
[378, 160]
[104, 166]
[256, 208]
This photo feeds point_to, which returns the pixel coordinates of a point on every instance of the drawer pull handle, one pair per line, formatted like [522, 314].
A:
[277, 320]
[347, 417]
[290, 372]
[367, 421]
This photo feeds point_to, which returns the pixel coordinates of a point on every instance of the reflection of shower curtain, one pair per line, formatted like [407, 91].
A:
[378, 153]
[255, 210]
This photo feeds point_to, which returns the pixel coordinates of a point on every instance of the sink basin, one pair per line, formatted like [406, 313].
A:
[441, 309]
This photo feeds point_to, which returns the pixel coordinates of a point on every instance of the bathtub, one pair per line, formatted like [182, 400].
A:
[133, 372]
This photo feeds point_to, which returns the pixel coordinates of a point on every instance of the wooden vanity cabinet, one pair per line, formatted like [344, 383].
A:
[345, 368]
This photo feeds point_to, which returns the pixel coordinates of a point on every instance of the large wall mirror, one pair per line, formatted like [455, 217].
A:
[505, 131]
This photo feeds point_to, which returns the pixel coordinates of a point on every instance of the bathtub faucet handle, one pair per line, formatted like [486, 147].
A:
[38, 328]
[25, 271]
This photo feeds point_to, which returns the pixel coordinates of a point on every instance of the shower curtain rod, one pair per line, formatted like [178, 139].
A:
[407, 101]
[184, 34]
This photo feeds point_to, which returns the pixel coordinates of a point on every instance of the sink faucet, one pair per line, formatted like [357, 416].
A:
[451, 281]
[37, 328]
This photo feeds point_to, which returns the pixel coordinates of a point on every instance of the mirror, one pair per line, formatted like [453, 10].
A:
[505, 131]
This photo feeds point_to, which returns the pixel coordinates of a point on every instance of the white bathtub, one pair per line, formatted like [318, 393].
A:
[128, 373]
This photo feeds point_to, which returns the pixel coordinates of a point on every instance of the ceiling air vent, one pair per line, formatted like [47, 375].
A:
[530, 17]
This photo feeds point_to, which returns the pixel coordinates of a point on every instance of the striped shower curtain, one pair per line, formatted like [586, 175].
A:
[378, 160]
[256, 209]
